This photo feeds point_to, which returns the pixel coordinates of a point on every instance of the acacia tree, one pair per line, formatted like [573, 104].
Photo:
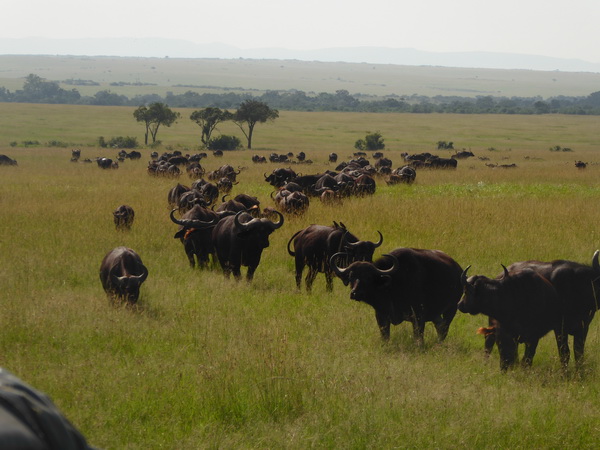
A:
[153, 116]
[249, 113]
[208, 119]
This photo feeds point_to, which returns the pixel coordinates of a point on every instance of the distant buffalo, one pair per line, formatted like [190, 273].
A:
[122, 273]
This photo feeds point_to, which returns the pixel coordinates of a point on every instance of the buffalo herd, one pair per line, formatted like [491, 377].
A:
[526, 301]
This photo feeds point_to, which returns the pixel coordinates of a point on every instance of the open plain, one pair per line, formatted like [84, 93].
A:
[208, 362]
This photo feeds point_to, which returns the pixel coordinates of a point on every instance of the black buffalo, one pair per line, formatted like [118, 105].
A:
[7, 161]
[122, 273]
[195, 233]
[123, 217]
[316, 244]
[240, 240]
[578, 286]
[522, 305]
[408, 284]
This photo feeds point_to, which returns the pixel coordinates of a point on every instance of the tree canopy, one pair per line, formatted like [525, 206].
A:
[251, 112]
[208, 119]
[153, 116]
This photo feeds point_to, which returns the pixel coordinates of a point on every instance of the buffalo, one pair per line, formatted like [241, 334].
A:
[195, 233]
[122, 273]
[123, 217]
[239, 240]
[523, 307]
[316, 244]
[7, 161]
[577, 286]
[411, 284]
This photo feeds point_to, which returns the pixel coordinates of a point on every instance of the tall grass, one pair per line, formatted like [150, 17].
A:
[207, 362]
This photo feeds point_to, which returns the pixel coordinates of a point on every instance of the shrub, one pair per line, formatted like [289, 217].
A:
[118, 142]
[224, 142]
[372, 141]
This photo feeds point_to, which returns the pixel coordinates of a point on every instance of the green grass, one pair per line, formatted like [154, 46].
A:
[206, 362]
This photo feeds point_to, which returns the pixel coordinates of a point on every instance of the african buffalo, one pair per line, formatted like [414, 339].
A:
[195, 233]
[407, 284]
[122, 273]
[240, 240]
[316, 244]
[7, 161]
[525, 307]
[577, 286]
[123, 217]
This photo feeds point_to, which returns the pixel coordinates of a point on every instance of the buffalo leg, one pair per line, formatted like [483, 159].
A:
[418, 330]
[310, 278]
[329, 281]
[507, 347]
[250, 273]
[562, 342]
[579, 344]
[530, 348]
[384, 325]
[299, 270]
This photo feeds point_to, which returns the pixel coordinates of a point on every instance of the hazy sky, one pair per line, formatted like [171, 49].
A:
[565, 29]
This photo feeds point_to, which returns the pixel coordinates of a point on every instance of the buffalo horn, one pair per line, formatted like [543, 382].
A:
[595, 264]
[505, 275]
[378, 243]
[391, 270]
[333, 264]
[463, 277]
[191, 223]
[237, 222]
[278, 224]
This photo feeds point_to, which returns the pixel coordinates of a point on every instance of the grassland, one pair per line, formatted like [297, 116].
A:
[178, 75]
[206, 362]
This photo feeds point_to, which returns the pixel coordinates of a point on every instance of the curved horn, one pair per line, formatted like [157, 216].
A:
[265, 175]
[378, 243]
[595, 264]
[278, 224]
[223, 198]
[191, 223]
[463, 277]
[505, 275]
[139, 279]
[332, 263]
[391, 270]
[238, 224]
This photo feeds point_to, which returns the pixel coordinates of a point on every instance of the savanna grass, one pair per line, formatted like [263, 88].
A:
[206, 362]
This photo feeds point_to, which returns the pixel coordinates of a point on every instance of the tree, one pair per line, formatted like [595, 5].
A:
[153, 116]
[208, 119]
[251, 112]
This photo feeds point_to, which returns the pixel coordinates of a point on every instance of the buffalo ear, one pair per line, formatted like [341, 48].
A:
[179, 234]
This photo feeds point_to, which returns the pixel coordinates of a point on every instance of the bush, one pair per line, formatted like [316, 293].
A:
[372, 141]
[118, 142]
[224, 142]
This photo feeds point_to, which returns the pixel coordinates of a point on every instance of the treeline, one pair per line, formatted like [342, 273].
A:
[37, 90]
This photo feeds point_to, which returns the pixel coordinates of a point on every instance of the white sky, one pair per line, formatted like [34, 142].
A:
[565, 29]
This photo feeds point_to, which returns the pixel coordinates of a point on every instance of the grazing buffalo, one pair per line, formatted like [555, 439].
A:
[523, 307]
[577, 286]
[292, 202]
[280, 176]
[122, 273]
[316, 244]
[195, 233]
[175, 193]
[408, 284]
[123, 217]
[7, 161]
[240, 240]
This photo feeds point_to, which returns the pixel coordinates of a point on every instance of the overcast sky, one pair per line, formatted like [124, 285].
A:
[564, 29]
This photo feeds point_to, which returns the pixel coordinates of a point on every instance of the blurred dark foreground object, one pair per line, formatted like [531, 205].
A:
[29, 419]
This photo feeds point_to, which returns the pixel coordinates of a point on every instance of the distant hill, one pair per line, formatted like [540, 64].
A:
[159, 47]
